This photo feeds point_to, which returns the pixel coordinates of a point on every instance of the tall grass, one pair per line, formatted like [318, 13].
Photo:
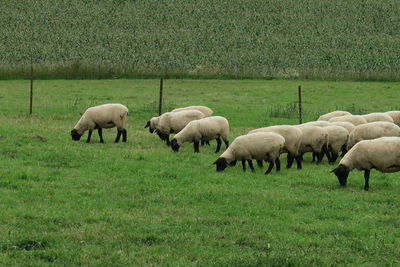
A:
[237, 39]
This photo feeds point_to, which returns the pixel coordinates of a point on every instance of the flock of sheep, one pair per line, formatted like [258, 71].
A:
[370, 141]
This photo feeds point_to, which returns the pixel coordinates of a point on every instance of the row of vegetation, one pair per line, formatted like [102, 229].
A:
[232, 39]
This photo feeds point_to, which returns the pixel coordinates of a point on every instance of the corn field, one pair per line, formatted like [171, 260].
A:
[314, 39]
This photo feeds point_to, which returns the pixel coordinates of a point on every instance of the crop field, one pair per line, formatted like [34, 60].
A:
[69, 203]
[315, 39]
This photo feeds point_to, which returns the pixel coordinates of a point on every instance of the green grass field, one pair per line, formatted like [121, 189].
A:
[69, 203]
[316, 39]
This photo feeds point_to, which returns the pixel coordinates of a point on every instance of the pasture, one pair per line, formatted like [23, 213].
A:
[137, 203]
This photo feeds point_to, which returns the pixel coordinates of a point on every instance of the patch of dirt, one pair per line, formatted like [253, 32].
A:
[41, 138]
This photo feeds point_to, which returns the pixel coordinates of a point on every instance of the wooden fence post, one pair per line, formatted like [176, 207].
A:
[300, 111]
[160, 99]
[31, 90]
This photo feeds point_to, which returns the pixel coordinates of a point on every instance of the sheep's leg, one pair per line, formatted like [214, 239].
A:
[290, 159]
[88, 137]
[124, 135]
[298, 161]
[250, 162]
[344, 151]
[314, 155]
[278, 164]
[366, 177]
[244, 165]
[100, 131]
[167, 140]
[207, 143]
[334, 156]
[226, 143]
[320, 156]
[271, 165]
[196, 147]
[260, 163]
[118, 136]
[219, 142]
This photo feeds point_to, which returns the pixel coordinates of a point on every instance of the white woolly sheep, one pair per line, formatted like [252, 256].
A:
[377, 116]
[205, 129]
[292, 135]
[395, 114]
[333, 114]
[153, 122]
[372, 130]
[314, 139]
[354, 119]
[316, 123]
[205, 110]
[259, 146]
[347, 125]
[382, 154]
[337, 140]
[99, 117]
[174, 122]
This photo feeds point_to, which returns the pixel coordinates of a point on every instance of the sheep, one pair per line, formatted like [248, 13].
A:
[378, 116]
[259, 146]
[347, 125]
[337, 140]
[382, 154]
[333, 114]
[153, 122]
[395, 116]
[99, 117]
[205, 129]
[205, 110]
[314, 139]
[316, 123]
[292, 135]
[174, 122]
[354, 119]
[372, 130]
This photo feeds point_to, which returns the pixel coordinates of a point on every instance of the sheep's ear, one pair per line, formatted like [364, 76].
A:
[147, 124]
[215, 162]
[334, 170]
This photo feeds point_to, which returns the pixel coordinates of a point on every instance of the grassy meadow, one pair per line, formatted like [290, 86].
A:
[69, 203]
[316, 39]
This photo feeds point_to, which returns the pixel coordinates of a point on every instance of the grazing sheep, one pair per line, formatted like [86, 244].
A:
[203, 109]
[316, 123]
[372, 130]
[337, 140]
[377, 116]
[153, 122]
[395, 114]
[292, 135]
[382, 154]
[333, 114]
[174, 122]
[354, 119]
[99, 117]
[259, 146]
[347, 125]
[313, 139]
[205, 129]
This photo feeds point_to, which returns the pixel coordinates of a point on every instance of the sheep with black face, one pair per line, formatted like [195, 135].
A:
[99, 117]
[259, 146]
[205, 129]
[382, 154]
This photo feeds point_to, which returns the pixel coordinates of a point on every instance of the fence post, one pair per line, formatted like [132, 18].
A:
[160, 99]
[31, 90]
[300, 111]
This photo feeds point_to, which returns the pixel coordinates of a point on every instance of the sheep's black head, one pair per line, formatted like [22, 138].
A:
[174, 145]
[75, 135]
[151, 130]
[162, 135]
[221, 164]
[342, 172]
